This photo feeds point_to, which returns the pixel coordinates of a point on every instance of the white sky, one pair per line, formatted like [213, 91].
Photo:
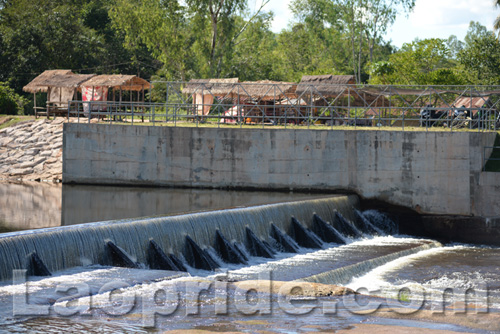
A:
[430, 18]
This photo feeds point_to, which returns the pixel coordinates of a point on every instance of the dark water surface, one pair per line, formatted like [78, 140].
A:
[25, 206]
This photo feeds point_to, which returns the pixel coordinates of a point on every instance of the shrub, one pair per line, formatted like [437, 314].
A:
[10, 102]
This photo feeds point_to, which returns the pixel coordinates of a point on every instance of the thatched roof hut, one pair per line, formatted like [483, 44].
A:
[475, 102]
[326, 85]
[217, 87]
[268, 90]
[56, 78]
[118, 81]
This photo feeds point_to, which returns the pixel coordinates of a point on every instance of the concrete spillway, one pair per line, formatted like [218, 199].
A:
[171, 243]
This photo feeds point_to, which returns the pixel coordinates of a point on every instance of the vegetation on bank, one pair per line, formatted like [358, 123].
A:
[6, 120]
[180, 40]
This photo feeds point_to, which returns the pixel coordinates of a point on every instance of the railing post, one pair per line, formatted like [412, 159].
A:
[166, 104]
[90, 110]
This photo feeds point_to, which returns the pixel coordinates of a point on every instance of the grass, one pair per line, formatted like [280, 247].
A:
[7, 120]
[191, 124]
[494, 165]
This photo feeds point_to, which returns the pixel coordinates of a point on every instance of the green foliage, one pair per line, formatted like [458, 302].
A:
[481, 57]
[361, 24]
[10, 102]
[184, 39]
[254, 57]
[422, 62]
[156, 25]
[36, 35]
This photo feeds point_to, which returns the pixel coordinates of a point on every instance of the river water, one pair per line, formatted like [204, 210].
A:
[427, 279]
[26, 206]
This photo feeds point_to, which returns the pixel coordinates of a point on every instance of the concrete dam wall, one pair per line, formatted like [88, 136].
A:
[431, 172]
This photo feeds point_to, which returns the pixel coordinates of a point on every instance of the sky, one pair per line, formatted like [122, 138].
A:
[430, 18]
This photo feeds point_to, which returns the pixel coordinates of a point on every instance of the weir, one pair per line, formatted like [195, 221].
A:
[170, 243]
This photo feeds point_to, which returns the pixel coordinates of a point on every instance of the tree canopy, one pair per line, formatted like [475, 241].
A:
[180, 40]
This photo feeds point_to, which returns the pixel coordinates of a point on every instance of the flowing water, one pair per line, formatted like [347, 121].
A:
[78, 298]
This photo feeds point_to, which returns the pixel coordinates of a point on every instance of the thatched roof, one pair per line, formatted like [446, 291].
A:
[56, 78]
[118, 81]
[219, 87]
[268, 90]
[326, 85]
[474, 102]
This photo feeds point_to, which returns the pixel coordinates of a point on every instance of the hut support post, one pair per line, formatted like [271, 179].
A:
[120, 103]
[90, 106]
[166, 104]
[348, 104]
[274, 104]
[34, 105]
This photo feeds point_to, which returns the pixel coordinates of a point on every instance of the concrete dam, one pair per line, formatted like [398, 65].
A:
[430, 172]
[203, 241]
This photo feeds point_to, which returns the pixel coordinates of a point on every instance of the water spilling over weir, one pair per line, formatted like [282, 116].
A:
[322, 240]
[185, 238]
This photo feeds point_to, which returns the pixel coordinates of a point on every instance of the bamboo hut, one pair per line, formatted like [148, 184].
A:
[60, 85]
[100, 88]
[339, 92]
[325, 85]
[474, 104]
[204, 91]
[267, 90]
[266, 98]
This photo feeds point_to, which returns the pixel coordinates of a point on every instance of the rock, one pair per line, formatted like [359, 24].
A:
[32, 151]
[294, 288]
[38, 168]
[58, 121]
[54, 138]
[22, 159]
[51, 161]
[5, 141]
[32, 163]
[37, 123]
[32, 139]
[20, 171]
[19, 140]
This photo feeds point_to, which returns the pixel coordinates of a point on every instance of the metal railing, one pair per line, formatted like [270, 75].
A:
[299, 106]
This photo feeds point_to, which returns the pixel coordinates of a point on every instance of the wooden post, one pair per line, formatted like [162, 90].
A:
[34, 105]
[48, 102]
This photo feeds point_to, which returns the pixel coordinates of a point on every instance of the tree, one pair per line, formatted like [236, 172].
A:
[480, 57]
[253, 56]
[362, 22]
[454, 45]
[68, 34]
[217, 28]
[422, 62]
[156, 25]
[10, 102]
[496, 24]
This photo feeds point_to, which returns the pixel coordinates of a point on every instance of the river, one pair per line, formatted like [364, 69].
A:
[426, 280]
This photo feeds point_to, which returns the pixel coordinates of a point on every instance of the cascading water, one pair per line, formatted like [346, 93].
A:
[324, 240]
[65, 247]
